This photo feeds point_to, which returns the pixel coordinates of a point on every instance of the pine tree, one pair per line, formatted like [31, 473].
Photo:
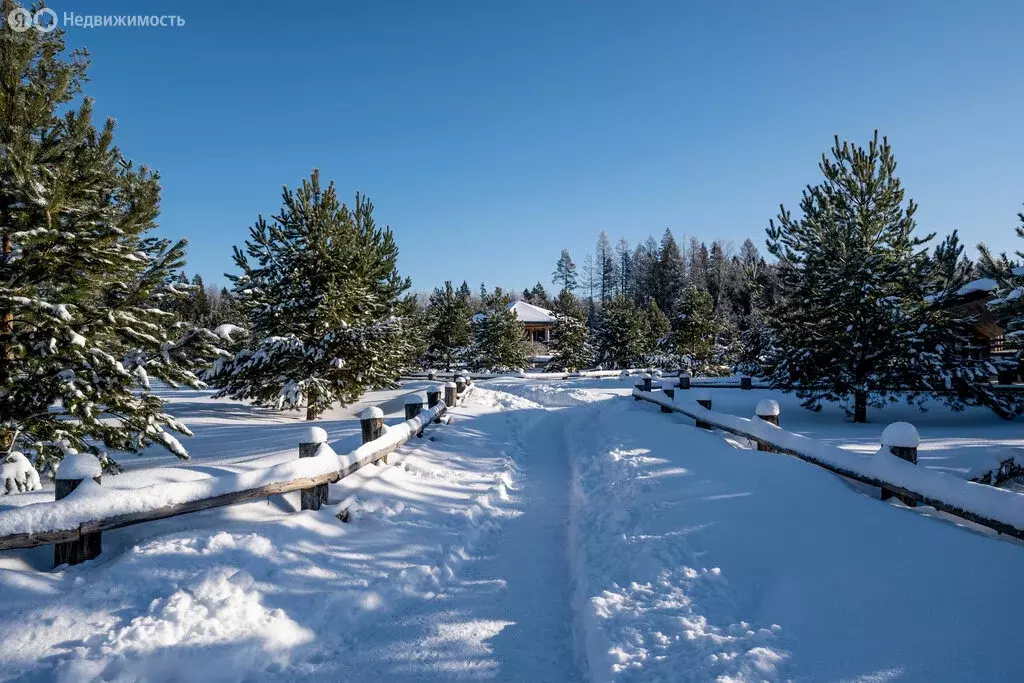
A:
[858, 277]
[85, 289]
[201, 310]
[500, 344]
[695, 331]
[322, 292]
[565, 273]
[604, 260]
[697, 270]
[656, 330]
[625, 268]
[671, 272]
[450, 332]
[570, 339]
[623, 336]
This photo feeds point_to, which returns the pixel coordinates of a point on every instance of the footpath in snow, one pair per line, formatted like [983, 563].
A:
[554, 532]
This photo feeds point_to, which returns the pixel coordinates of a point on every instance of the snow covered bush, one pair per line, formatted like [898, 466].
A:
[84, 286]
[19, 474]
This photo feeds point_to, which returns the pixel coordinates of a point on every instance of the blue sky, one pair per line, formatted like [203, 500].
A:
[490, 135]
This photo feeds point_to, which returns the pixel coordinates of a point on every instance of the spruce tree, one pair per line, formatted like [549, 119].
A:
[570, 339]
[450, 333]
[857, 277]
[500, 344]
[86, 290]
[201, 310]
[604, 262]
[321, 289]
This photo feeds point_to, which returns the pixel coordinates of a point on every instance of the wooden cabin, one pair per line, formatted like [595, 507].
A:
[538, 321]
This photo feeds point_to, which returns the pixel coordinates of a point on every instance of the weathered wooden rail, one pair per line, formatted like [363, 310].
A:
[80, 541]
[994, 508]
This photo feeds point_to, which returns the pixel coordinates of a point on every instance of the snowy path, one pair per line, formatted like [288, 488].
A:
[554, 532]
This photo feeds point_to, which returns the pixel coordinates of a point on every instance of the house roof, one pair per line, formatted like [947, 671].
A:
[528, 313]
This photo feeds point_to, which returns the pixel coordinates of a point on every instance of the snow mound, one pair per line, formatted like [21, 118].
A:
[901, 434]
[223, 608]
[767, 408]
[79, 466]
[316, 435]
[371, 413]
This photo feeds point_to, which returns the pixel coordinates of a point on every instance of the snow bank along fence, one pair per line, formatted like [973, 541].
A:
[893, 469]
[74, 523]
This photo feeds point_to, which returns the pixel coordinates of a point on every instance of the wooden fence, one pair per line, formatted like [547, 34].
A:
[77, 540]
[995, 508]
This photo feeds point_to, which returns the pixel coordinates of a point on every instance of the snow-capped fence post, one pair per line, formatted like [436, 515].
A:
[413, 407]
[451, 395]
[768, 411]
[746, 383]
[371, 424]
[647, 381]
[72, 471]
[312, 498]
[460, 384]
[902, 440]
[432, 376]
[670, 393]
[433, 398]
[704, 401]
[684, 380]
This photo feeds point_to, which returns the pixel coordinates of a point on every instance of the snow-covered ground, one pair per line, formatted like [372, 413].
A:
[556, 531]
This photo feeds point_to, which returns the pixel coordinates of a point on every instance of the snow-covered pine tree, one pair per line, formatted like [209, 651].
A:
[695, 331]
[570, 340]
[500, 344]
[856, 275]
[622, 336]
[322, 293]
[80, 276]
[450, 333]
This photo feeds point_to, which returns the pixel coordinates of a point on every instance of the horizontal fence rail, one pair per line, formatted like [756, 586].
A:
[995, 508]
[79, 518]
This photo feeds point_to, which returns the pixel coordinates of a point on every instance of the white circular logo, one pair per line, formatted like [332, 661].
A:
[20, 19]
[45, 20]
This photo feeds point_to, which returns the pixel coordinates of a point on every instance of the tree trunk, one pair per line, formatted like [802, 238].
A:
[860, 407]
[311, 412]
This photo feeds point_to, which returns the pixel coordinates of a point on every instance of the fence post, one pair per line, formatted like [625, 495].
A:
[413, 407]
[746, 383]
[901, 439]
[638, 385]
[433, 398]
[313, 498]
[432, 376]
[704, 400]
[460, 384]
[72, 471]
[684, 380]
[371, 423]
[670, 394]
[767, 410]
[451, 395]
[646, 377]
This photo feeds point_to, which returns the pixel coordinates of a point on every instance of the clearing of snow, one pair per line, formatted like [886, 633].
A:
[555, 531]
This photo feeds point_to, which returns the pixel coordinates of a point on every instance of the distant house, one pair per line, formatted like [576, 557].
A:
[538, 321]
[972, 301]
